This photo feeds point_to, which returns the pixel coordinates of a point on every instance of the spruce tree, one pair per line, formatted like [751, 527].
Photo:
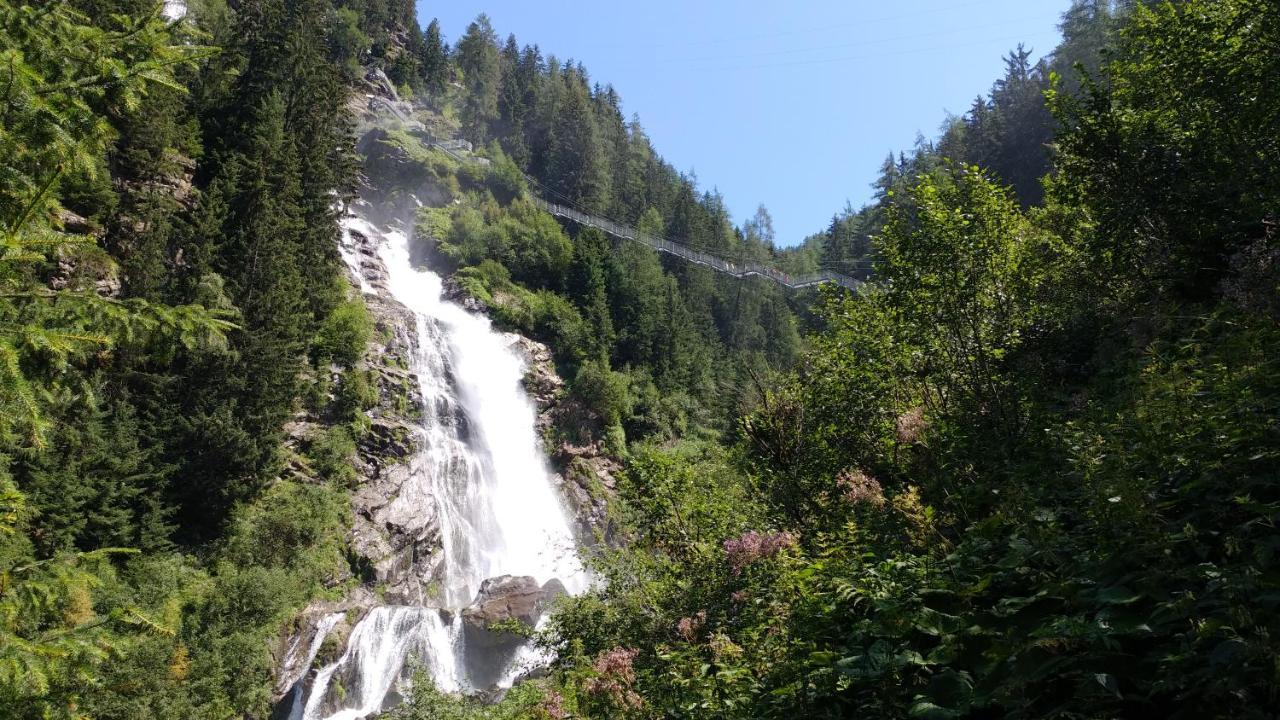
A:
[479, 61]
[586, 281]
[435, 61]
[576, 166]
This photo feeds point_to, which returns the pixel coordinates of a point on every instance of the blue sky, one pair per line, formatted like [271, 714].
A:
[790, 104]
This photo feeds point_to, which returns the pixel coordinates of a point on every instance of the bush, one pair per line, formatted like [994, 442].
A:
[354, 395]
[602, 390]
[344, 334]
[333, 454]
[293, 525]
[506, 180]
[540, 251]
[435, 222]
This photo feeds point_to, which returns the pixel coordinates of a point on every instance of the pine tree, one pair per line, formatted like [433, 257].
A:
[576, 167]
[479, 61]
[586, 284]
[435, 61]
[97, 486]
[263, 233]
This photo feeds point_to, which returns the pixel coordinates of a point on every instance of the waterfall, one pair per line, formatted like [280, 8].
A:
[482, 466]
[175, 9]
[296, 693]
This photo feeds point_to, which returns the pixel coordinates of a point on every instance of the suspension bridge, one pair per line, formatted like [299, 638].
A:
[457, 150]
[729, 267]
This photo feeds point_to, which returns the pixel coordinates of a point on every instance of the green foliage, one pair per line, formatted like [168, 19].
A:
[155, 192]
[506, 181]
[962, 267]
[344, 334]
[53, 133]
[291, 524]
[332, 455]
[425, 702]
[603, 390]
[1029, 473]
[477, 58]
[347, 42]
[1187, 103]
[434, 61]
[54, 638]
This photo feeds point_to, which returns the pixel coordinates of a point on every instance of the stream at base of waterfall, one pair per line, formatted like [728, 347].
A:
[507, 540]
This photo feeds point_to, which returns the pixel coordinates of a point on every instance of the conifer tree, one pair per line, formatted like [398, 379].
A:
[586, 281]
[435, 60]
[576, 162]
[479, 61]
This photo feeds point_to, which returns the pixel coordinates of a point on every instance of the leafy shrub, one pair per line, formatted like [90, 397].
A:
[354, 394]
[602, 390]
[293, 525]
[505, 178]
[332, 455]
[344, 334]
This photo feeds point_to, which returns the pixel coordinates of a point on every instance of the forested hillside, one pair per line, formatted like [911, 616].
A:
[1009, 131]
[657, 346]
[1029, 471]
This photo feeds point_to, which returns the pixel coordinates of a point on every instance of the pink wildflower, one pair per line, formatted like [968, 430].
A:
[751, 547]
[552, 706]
[739, 596]
[911, 425]
[860, 488]
[689, 627]
[616, 676]
[617, 663]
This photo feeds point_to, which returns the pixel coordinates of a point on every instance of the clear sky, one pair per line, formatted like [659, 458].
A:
[793, 104]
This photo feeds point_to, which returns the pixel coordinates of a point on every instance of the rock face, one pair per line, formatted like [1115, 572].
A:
[453, 292]
[501, 601]
[395, 535]
[394, 540]
[319, 634]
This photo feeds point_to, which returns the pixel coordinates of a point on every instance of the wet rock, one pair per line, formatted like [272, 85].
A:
[588, 478]
[545, 386]
[302, 647]
[395, 535]
[493, 627]
[394, 540]
[388, 440]
[586, 473]
[501, 600]
[553, 589]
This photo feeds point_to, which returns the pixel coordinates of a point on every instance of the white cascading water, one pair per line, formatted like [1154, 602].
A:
[483, 467]
[175, 9]
[323, 627]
